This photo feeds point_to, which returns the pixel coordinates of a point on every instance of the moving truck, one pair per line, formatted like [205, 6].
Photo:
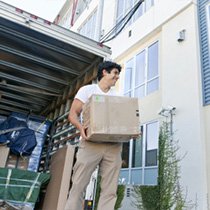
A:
[42, 65]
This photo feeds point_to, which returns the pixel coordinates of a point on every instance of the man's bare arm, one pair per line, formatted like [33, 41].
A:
[74, 114]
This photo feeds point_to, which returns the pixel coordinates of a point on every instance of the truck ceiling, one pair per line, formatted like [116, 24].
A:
[40, 60]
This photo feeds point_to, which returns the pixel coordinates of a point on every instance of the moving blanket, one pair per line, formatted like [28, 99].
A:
[41, 127]
[21, 187]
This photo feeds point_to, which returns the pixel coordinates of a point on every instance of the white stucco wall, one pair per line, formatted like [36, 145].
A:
[181, 87]
[150, 21]
[205, 125]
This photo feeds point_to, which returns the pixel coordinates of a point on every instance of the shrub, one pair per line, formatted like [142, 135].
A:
[120, 194]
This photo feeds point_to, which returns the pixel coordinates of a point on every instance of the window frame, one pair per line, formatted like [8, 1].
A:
[131, 92]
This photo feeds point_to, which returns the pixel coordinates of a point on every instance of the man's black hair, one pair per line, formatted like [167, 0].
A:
[108, 66]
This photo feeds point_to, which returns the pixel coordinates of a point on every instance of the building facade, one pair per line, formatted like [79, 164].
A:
[162, 46]
[204, 32]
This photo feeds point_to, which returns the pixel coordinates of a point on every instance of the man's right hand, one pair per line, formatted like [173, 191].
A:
[83, 133]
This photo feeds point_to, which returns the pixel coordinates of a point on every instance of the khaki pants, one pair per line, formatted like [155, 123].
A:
[89, 155]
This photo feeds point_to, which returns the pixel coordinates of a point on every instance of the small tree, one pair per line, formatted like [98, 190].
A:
[168, 193]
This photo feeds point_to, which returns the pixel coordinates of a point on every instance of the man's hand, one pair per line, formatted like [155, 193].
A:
[83, 133]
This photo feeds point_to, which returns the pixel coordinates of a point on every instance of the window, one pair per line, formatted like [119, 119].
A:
[152, 70]
[139, 11]
[141, 73]
[124, 6]
[88, 28]
[125, 155]
[148, 4]
[128, 78]
[137, 152]
[139, 84]
[140, 157]
[81, 6]
[151, 139]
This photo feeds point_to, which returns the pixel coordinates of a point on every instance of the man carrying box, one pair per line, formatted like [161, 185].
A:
[91, 154]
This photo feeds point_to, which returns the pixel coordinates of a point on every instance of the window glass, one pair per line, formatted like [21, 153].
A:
[151, 158]
[93, 22]
[125, 155]
[152, 86]
[120, 6]
[139, 11]
[148, 4]
[81, 31]
[152, 61]
[128, 6]
[140, 92]
[152, 136]
[128, 94]
[88, 28]
[140, 68]
[128, 75]
[151, 143]
[120, 14]
[137, 151]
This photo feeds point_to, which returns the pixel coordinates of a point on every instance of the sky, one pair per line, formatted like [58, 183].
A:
[46, 9]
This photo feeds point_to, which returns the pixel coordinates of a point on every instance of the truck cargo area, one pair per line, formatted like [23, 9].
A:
[42, 65]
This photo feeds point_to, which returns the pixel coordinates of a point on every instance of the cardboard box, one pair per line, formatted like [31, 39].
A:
[111, 118]
[4, 153]
[60, 170]
[15, 161]
[21, 188]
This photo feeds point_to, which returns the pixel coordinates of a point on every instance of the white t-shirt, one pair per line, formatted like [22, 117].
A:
[87, 91]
